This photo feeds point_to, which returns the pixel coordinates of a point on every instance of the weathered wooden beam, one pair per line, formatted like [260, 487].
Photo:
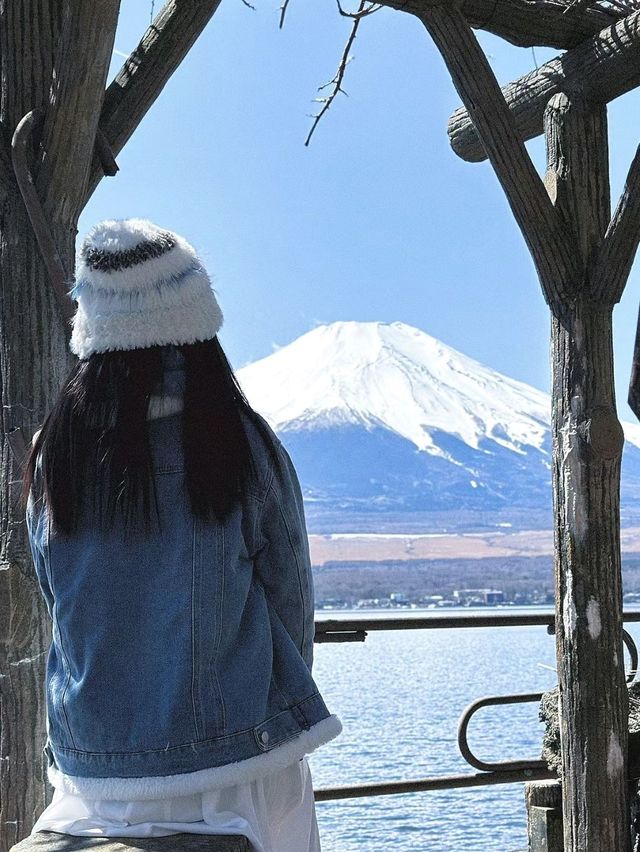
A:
[146, 71]
[49, 841]
[543, 230]
[621, 241]
[79, 77]
[577, 176]
[605, 67]
[587, 450]
[523, 22]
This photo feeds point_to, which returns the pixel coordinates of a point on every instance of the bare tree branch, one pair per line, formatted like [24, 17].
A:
[369, 9]
[283, 12]
[145, 73]
[365, 8]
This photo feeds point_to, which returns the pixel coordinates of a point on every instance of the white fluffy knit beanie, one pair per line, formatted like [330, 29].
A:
[138, 285]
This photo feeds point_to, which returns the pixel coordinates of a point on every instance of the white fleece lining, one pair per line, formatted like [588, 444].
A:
[188, 783]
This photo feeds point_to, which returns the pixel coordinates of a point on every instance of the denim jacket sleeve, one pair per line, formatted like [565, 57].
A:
[283, 563]
[36, 520]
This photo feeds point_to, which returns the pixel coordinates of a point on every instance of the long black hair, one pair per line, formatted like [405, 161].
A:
[96, 434]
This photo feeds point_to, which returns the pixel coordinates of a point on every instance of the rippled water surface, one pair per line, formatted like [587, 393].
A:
[400, 695]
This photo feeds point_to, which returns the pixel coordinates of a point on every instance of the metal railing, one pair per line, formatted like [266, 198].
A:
[496, 772]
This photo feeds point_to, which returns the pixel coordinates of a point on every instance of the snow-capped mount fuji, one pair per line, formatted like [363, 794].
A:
[385, 418]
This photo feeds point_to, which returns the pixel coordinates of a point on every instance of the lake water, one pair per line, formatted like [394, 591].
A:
[399, 696]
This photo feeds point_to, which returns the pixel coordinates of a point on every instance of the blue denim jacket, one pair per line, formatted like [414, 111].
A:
[181, 660]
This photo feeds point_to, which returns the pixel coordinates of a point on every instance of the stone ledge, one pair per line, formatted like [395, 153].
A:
[51, 841]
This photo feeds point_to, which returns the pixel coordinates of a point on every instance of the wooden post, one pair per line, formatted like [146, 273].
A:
[544, 816]
[569, 233]
[55, 58]
[587, 450]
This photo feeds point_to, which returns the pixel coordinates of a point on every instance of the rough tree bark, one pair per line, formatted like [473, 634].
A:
[588, 437]
[524, 22]
[54, 59]
[587, 452]
[33, 360]
[604, 67]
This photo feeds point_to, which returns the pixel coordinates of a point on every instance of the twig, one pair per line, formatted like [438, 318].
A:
[283, 12]
[365, 8]
[361, 13]
[248, 5]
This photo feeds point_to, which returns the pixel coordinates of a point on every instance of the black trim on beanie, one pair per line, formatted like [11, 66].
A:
[110, 261]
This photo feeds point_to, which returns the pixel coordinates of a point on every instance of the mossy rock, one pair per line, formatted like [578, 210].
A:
[551, 738]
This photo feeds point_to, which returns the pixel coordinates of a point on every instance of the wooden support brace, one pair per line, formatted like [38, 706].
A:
[523, 22]
[618, 250]
[105, 155]
[544, 231]
[604, 67]
[81, 64]
[146, 71]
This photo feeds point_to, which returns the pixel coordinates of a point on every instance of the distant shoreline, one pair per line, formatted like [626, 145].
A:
[380, 547]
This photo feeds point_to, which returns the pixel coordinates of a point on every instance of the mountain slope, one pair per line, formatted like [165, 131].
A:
[386, 418]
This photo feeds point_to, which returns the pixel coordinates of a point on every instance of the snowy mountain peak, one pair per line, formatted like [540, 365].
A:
[355, 402]
[398, 377]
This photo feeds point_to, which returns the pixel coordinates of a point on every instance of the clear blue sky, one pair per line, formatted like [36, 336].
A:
[376, 220]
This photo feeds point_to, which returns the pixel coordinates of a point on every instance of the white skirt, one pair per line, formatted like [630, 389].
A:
[276, 812]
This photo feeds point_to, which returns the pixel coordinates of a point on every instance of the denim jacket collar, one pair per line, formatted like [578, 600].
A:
[168, 398]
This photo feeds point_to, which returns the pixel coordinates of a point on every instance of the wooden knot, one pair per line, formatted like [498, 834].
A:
[603, 433]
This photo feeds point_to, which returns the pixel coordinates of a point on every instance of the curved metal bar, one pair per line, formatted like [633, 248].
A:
[500, 765]
[633, 654]
[41, 229]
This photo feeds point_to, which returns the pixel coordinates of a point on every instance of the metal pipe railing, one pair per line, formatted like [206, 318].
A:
[356, 629]
[339, 627]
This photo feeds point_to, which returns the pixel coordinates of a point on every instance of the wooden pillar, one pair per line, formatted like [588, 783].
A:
[544, 816]
[583, 259]
[587, 450]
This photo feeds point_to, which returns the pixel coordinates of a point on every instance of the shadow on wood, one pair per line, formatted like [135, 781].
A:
[51, 841]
